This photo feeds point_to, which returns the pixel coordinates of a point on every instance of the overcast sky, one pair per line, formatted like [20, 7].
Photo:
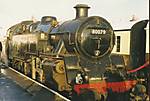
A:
[117, 12]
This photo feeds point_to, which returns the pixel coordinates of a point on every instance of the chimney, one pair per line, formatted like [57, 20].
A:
[81, 10]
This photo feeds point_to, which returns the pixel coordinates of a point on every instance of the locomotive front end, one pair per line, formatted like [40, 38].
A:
[94, 38]
[91, 38]
[89, 42]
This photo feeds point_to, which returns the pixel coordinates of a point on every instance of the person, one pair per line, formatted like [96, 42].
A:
[79, 79]
[0, 53]
[0, 49]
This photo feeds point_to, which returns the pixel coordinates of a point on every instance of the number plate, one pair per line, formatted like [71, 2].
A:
[98, 31]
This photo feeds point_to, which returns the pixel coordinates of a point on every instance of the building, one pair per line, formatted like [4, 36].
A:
[123, 42]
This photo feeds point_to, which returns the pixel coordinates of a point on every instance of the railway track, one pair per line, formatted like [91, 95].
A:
[32, 86]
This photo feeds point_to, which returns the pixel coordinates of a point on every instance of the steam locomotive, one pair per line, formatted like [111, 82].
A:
[65, 56]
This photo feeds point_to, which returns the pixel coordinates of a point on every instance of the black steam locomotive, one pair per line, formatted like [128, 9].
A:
[66, 57]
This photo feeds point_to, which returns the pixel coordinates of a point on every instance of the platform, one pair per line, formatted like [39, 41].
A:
[16, 87]
[11, 91]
